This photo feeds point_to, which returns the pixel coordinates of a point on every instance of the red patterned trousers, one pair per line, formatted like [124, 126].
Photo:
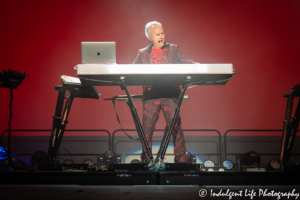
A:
[151, 110]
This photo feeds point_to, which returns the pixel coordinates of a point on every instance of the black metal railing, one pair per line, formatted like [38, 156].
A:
[244, 130]
[184, 130]
[69, 130]
[112, 144]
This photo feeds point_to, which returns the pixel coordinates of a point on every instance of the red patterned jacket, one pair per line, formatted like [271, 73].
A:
[172, 53]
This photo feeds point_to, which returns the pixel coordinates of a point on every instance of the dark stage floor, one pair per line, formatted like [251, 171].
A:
[131, 185]
[148, 192]
[148, 178]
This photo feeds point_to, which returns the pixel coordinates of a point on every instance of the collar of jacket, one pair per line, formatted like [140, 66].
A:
[149, 47]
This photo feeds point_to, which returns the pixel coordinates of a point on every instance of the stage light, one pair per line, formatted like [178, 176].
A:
[109, 154]
[100, 159]
[228, 164]
[210, 169]
[209, 163]
[248, 158]
[118, 158]
[68, 162]
[221, 169]
[107, 158]
[3, 157]
[3, 153]
[89, 162]
[274, 165]
[209, 166]
[191, 159]
[135, 161]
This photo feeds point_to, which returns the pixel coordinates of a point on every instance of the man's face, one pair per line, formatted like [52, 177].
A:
[157, 36]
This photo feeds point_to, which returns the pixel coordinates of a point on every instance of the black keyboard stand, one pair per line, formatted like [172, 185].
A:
[166, 139]
[60, 119]
[136, 119]
[59, 122]
[290, 126]
[158, 162]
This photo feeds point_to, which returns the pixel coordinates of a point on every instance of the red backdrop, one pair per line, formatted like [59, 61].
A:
[260, 39]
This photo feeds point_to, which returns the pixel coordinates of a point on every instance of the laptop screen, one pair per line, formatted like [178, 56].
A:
[98, 52]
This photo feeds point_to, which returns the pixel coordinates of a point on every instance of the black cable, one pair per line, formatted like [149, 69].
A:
[61, 158]
[114, 105]
[10, 109]
[9, 125]
[68, 152]
[113, 101]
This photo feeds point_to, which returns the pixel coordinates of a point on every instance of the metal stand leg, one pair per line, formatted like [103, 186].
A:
[286, 125]
[167, 135]
[136, 119]
[9, 125]
[290, 129]
[166, 139]
[59, 124]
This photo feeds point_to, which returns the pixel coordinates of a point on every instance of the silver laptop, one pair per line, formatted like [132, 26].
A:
[98, 52]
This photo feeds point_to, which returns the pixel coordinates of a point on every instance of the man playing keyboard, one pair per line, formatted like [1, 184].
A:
[156, 97]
